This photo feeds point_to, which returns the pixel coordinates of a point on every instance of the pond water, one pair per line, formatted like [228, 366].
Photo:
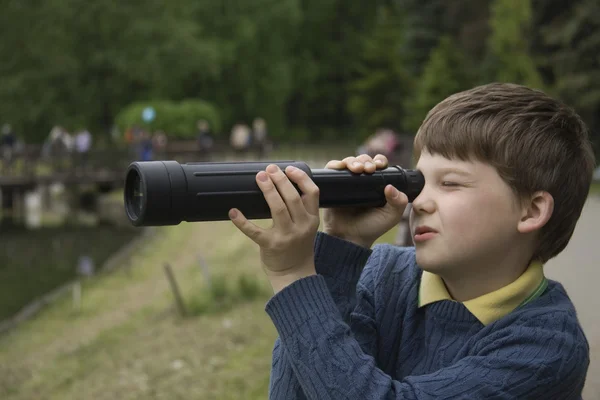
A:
[33, 262]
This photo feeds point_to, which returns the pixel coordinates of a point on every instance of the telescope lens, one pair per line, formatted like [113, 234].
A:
[134, 194]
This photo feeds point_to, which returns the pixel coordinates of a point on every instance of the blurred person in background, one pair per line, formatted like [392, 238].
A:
[398, 150]
[8, 143]
[260, 137]
[240, 138]
[83, 145]
[205, 137]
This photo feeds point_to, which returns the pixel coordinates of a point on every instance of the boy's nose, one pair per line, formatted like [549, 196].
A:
[423, 203]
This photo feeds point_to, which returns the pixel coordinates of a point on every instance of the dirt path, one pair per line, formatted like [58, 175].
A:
[578, 269]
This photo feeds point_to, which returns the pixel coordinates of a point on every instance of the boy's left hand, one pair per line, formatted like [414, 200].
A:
[287, 248]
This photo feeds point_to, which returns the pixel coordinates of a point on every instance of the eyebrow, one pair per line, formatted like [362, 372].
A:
[458, 171]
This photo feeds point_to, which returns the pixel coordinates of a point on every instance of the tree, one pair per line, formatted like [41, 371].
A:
[424, 25]
[444, 74]
[77, 63]
[325, 56]
[255, 78]
[378, 93]
[573, 45]
[509, 45]
[466, 21]
[317, 66]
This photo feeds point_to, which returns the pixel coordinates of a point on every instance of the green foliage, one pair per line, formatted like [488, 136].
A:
[575, 59]
[328, 45]
[255, 75]
[424, 25]
[76, 63]
[249, 287]
[382, 84]
[445, 73]
[222, 294]
[177, 119]
[509, 45]
[466, 21]
[311, 68]
[218, 289]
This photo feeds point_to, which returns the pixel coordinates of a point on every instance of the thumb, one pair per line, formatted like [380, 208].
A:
[396, 202]
[252, 231]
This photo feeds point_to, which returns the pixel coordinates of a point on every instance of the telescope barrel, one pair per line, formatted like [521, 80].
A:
[166, 192]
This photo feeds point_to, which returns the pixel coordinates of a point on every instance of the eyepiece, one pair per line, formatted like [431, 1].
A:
[167, 193]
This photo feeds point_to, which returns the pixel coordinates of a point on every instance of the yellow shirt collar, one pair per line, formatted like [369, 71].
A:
[491, 306]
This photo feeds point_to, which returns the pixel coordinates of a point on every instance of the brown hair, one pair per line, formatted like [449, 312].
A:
[535, 142]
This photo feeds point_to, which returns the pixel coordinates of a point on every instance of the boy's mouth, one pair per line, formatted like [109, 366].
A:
[423, 233]
[424, 229]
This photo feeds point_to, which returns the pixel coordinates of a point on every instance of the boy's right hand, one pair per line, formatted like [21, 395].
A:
[363, 226]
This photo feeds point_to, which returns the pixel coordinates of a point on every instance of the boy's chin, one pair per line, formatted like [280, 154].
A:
[430, 262]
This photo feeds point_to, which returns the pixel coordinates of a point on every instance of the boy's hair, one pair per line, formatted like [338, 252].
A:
[535, 142]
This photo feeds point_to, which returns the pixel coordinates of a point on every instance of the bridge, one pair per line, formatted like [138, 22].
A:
[101, 169]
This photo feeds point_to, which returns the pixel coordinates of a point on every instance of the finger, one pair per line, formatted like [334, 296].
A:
[335, 164]
[369, 165]
[381, 161]
[396, 201]
[288, 193]
[310, 191]
[279, 210]
[353, 164]
[251, 230]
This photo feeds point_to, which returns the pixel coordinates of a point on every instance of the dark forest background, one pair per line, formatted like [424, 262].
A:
[314, 69]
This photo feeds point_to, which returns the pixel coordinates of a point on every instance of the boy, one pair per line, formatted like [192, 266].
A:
[465, 314]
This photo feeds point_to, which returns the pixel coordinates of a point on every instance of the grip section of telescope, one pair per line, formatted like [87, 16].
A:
[343, 188]
[230, 185]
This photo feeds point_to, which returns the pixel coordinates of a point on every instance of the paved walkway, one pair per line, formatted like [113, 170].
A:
[578, 269]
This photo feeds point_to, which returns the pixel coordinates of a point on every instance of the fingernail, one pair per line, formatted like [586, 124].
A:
[368, 164]
[232, 214]
[356, 164]
[272, 168]
[395, 193]
[378, 162]
[291, 168]
[263, 177]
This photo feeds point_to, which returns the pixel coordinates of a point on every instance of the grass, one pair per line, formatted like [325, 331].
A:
[127, 342]
[595, 189]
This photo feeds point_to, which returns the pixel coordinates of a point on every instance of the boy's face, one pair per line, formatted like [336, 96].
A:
[471, 212]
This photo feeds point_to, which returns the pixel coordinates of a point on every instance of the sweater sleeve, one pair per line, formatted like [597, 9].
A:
[332, 360]
[340, 263]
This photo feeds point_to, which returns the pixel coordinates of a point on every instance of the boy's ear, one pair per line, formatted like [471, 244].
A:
[536, 212]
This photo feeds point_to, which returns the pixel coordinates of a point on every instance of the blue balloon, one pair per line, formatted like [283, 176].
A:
[148, 114]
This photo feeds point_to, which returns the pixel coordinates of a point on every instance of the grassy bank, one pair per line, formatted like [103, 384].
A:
[127, 342]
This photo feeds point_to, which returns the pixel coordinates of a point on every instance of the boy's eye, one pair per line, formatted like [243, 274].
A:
[449, 183]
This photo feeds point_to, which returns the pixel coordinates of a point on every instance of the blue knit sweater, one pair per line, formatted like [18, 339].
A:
[354, 331]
